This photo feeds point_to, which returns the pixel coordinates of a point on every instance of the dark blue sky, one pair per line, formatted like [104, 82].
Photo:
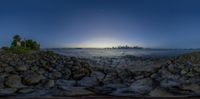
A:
[102, 23]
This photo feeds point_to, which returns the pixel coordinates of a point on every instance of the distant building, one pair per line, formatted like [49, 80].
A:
[18, 43]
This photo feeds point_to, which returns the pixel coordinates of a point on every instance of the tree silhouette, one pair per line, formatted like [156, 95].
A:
[16, 41]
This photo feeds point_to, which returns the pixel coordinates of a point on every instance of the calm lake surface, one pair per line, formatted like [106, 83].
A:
[121, 52]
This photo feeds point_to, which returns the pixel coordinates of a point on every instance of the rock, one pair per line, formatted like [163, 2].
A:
[50, 84]
[197, 69]
[40, 71]
[65, 83]
[193, 87]
[21, 68]
[169, 83]
[2, 78]
[32, 78]
[73, 91]
[172, 68]
[9, 69]
[66, 72]
[88, 82]
[7, 91]
[56, 75]
[1, 69]
[159, 92]
[183, 72]
[116, 86]
[142, 86]
[79, 72]
[26, 90]
[14, 81]
[124, 92]
[114, 89]
[139, 77]
[37, 93]
[98, 75]
[34, 68]
[103, 90]
[190, 74]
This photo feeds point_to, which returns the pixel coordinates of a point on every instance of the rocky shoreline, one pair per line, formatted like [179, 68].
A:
[46, 74]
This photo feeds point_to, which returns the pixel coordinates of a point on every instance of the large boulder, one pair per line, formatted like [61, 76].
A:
[137, 88]
[142, 86]
[32, 78]
[14, 81]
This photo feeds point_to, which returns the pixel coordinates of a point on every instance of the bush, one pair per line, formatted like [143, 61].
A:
[33, 45]
[17, 50]
[19, 46]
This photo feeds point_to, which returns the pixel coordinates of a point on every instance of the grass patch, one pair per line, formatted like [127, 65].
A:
[17, 50]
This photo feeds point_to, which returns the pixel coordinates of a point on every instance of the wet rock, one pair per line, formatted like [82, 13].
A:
[14, 81]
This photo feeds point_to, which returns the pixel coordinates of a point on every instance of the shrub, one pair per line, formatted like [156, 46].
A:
[19, 46]
[33, 45]
[17, 50]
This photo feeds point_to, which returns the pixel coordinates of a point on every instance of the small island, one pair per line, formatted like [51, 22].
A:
[126, 47]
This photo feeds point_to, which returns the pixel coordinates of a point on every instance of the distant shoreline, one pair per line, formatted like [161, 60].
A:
[132, 48]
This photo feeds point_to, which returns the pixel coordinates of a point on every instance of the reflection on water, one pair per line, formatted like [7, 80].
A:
[119, 52]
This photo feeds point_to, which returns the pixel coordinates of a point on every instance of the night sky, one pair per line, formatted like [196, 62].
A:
[102, 23]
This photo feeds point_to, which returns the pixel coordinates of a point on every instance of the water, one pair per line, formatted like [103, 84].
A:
[120, 52]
